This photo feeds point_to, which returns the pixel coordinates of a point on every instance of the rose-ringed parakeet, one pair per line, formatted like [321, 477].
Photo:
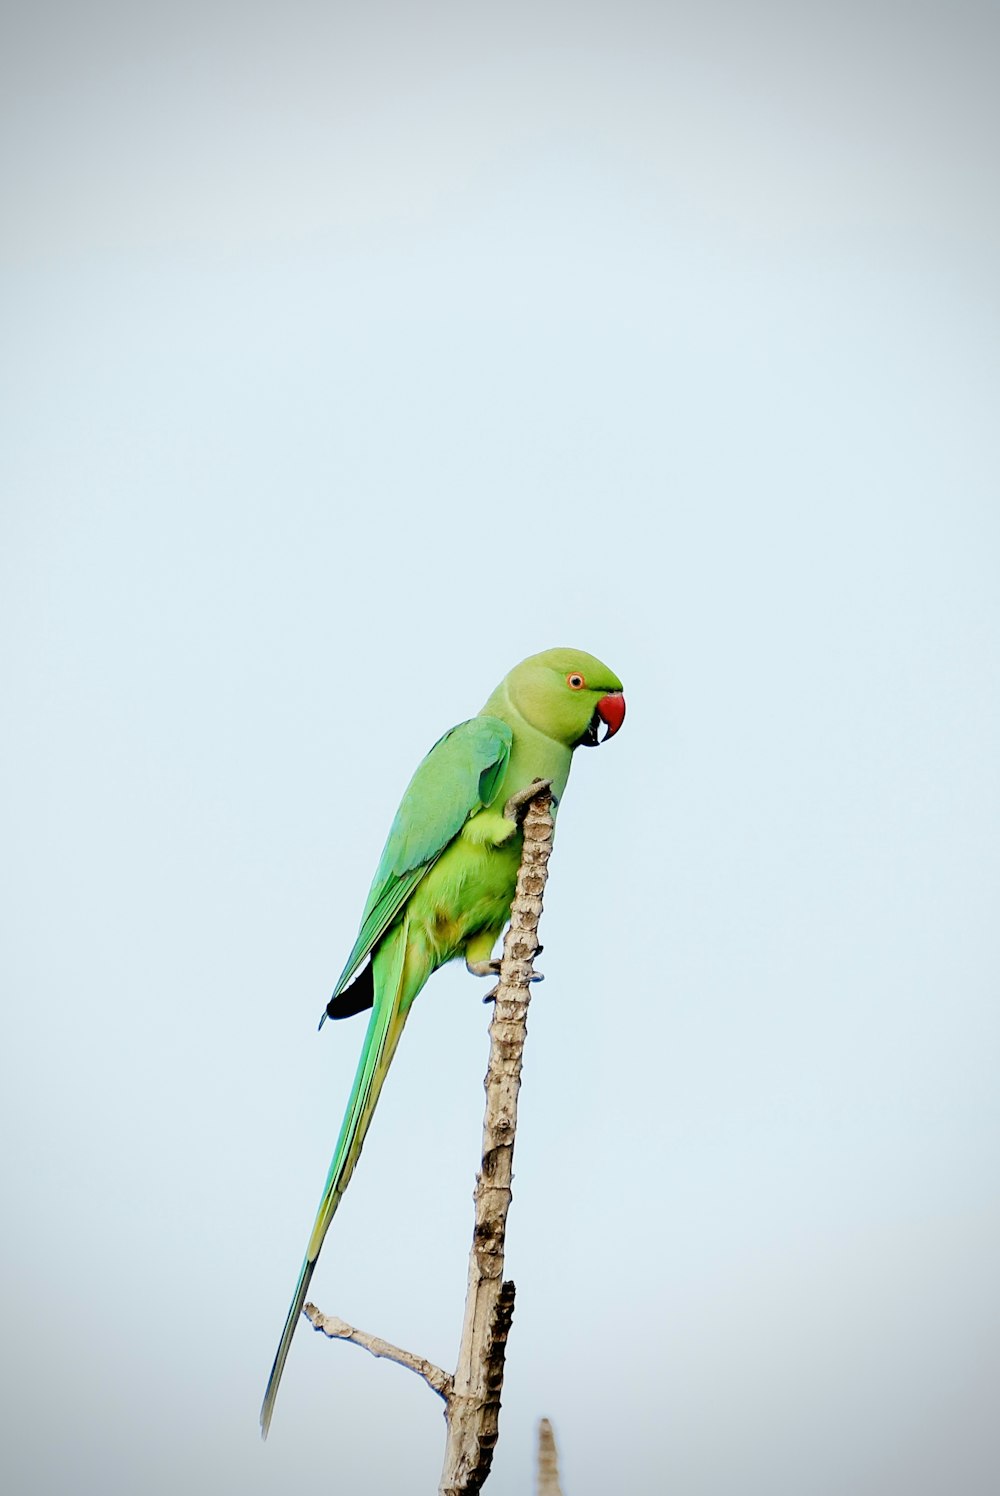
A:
[446, 879]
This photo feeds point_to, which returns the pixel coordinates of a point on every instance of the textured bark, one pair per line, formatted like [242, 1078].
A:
[548, 1462]
[474, 1402]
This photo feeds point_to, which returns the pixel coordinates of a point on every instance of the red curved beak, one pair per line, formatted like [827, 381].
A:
[611, 710]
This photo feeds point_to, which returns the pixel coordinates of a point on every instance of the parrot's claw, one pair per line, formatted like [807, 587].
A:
[536, 976]
[491, 997]
[520, 799]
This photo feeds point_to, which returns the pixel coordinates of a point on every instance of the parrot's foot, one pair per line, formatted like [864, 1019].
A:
[492, 969]
[482, 968]
[520, 799]
[491, 997]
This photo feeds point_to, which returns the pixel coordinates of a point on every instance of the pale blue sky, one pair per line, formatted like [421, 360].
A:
[319, 323]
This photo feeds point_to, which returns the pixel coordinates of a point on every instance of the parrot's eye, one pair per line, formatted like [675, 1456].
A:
[575, 682]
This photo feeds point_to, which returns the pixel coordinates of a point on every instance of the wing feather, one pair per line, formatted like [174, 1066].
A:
[461, 775]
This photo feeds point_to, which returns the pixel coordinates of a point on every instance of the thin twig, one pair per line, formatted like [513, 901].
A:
[474, 1405]
[339, 1329]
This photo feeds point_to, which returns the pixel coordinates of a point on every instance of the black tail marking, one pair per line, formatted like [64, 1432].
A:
[357, 998]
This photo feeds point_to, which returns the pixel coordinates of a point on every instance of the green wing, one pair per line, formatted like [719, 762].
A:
[460, 776]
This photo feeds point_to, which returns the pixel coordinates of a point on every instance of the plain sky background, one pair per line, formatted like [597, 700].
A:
[349, 354]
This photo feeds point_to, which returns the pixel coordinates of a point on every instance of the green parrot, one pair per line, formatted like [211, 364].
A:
[446, 879]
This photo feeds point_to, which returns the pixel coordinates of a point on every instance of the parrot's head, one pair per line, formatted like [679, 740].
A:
[569, 695]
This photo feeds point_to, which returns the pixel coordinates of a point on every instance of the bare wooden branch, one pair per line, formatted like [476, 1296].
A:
[474, 1403]
[548, 1462]
[472, 1395]
[339, 1329]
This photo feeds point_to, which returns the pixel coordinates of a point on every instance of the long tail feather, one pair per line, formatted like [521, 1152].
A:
[298, 1299]
[384, 1028]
